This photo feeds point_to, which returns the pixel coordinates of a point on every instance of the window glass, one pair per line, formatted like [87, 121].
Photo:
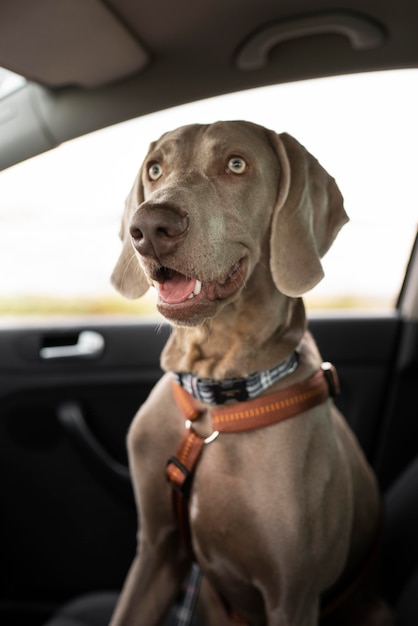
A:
[60, 212]
[9, 82]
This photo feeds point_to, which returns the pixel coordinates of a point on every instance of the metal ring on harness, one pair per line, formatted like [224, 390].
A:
[212, 437]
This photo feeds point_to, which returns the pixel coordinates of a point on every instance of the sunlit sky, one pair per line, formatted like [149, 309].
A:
[60, 212]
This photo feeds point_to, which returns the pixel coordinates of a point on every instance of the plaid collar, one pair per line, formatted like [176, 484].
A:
[236, 389]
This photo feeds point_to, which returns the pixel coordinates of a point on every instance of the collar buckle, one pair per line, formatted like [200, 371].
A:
[233, 390]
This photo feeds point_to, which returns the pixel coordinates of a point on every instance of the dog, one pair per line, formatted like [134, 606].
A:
[229, 222]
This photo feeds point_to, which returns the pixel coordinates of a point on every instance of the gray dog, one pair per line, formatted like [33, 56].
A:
[273, 496]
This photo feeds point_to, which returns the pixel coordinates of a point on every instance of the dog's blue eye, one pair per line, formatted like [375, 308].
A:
[155, 171]
[236, 165]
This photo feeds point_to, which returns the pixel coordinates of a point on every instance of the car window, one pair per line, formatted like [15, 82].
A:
[9, 82]
[60, 212]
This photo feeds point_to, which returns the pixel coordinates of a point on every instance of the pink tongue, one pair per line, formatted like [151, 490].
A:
[176, 289]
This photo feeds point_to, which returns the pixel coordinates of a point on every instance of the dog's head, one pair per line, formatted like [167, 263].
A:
[208, 201]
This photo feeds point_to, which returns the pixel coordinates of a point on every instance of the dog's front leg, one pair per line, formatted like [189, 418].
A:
[153, 583]
[290, 594]
[303, 615]
[162, 560]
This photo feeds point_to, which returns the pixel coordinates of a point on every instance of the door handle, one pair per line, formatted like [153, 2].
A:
[90, 345]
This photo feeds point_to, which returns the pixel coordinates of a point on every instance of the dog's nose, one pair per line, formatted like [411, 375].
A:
[157, 230]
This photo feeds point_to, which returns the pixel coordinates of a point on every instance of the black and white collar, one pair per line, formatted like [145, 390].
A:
[236, 389]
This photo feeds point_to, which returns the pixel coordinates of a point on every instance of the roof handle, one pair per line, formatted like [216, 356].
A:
[362, 32]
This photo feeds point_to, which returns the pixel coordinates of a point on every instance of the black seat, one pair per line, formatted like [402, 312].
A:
[96, 609]
[91, 610]
[400, 556]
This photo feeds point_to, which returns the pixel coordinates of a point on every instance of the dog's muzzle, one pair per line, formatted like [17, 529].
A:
[157, 230]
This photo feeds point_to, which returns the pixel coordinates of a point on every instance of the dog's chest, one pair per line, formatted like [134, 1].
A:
[239, 489]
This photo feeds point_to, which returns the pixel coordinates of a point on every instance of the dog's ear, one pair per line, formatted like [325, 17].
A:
[128, 277]
[307, 217]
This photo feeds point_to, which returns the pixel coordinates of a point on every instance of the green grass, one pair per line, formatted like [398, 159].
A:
[38, 305]
[348, 302]
[48, 306]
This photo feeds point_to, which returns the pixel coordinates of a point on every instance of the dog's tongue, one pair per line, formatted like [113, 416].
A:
[176, 289]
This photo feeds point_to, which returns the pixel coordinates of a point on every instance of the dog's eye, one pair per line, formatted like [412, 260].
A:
[155, 171]
[236, 165]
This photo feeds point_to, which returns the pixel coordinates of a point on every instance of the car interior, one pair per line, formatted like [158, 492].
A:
[69, 389]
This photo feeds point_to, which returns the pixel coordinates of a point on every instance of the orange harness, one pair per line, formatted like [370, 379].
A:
[235, 418]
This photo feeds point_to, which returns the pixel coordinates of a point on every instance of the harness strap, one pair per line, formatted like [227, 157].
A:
[275, 407]
[181, 466]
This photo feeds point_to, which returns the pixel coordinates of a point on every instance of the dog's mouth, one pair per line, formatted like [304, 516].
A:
[175, 288]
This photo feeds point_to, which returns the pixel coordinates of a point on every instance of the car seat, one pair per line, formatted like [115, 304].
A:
[400, 554]
[96, 609]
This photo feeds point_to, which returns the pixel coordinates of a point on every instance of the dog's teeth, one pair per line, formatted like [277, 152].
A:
[197, 288]
[191, 296]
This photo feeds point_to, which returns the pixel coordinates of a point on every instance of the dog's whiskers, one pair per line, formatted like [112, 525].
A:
[127, 267]
[159, 328]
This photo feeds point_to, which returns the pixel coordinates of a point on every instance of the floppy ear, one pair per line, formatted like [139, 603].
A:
[128, 277]
[307, 217]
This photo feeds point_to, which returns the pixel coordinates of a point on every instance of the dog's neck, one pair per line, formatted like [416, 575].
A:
[255, 333]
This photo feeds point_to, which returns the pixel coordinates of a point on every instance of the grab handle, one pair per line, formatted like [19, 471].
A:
[362, 33]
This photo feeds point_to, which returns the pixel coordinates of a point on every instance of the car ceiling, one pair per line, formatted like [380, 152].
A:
[95, 63]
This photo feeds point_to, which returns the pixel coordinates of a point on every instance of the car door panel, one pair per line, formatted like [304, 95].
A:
[68, 518]
[363, 350]
[399, 425]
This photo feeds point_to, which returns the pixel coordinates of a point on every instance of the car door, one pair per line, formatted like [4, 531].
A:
[68, 518]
